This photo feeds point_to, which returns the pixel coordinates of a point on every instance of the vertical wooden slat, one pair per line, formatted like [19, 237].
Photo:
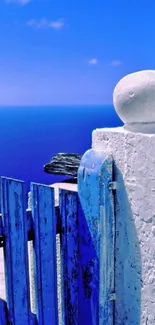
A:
[15, 250]
[3, 313]
[69, 250]
[43, 213]
[107, 294]
[96, 240]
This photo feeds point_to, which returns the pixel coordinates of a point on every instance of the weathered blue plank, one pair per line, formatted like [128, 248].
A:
[43, 213]
[1, 232]
[96, 240]
[3, 312]
[70, 256]
[33, 320]
[30, 222]
[1, 225]
[30, 225]
[15, 250]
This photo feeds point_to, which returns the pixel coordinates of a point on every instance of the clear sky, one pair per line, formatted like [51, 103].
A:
[72, 51]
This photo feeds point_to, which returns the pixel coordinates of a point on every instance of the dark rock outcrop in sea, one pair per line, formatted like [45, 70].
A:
[64, 164]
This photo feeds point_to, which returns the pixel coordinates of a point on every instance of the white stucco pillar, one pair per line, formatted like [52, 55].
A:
[133, 150]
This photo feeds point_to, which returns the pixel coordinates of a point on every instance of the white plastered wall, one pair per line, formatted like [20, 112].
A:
[134, 172]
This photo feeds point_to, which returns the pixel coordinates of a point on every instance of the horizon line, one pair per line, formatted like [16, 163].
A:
[54, 105]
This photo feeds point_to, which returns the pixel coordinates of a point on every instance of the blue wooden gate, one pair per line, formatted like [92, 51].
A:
[85, 221]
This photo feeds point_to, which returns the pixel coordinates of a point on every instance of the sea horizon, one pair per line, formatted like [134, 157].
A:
[30, 137]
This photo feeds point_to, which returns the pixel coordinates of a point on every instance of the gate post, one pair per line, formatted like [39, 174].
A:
[133, 150]
[96, 239]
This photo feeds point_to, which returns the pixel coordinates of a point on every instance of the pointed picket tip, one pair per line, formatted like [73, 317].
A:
[94, 159]
[93, 162]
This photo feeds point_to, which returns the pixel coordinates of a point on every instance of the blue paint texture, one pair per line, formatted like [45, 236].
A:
[96, 236]
[87, 233]
[43, 214]
[15, 251]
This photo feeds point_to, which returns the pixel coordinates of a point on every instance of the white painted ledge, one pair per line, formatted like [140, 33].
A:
[63, 186]
[57, 186]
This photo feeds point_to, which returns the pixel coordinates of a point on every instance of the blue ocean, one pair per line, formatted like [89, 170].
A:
[31, 136]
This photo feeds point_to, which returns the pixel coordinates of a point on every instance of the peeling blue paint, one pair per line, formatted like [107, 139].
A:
[87, 228]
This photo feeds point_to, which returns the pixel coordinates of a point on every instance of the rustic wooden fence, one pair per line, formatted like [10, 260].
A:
[85, 221]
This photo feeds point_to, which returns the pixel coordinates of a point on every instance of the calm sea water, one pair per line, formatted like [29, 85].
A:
[30, 136]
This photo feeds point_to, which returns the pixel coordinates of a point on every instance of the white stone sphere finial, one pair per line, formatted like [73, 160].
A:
[134, 101]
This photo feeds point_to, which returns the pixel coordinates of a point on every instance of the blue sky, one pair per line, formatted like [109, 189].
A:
[64, 52]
